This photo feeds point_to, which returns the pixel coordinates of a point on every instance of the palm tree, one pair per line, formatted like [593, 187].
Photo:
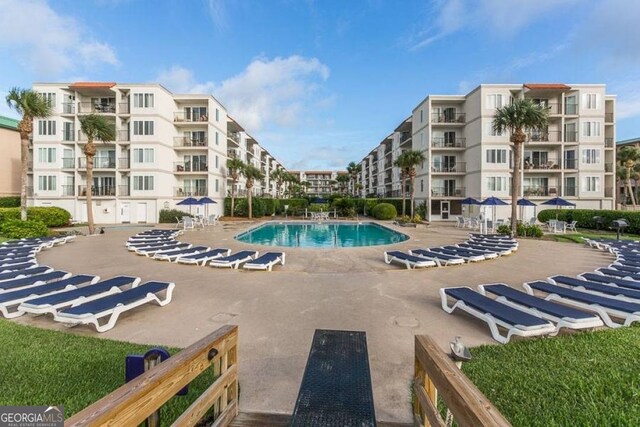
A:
[95, 127]
[409, 160]
[235, 167]
[30, 105]
[519, 117]
[404, 174]
[353, 169]
[251, 174]
[291, 180]
[278, 176]
[343, 182]
[628, 158]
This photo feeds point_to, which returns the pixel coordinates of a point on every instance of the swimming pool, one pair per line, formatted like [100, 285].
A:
[321, 235]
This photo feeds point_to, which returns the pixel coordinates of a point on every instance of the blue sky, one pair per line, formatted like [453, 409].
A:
[319, 83]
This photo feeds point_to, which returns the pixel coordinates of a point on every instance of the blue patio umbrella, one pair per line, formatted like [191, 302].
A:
[524, 203]
[470, 201]
[493, 201]
[558, 202]
[206, 202]
[189, 201]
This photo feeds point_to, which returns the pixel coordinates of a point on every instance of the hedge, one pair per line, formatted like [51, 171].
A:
[257, 207]
[584, 217]
[523, 230]
[345, 206]
[51, 216]
[269, 206]
[168, 216]
[371, 202]
[384, 211]
[10, 202]
[16, 229]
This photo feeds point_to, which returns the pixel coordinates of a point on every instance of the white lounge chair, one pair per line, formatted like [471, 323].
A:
[204, 257]
[234, 260]
[408, 260]
[266, 261]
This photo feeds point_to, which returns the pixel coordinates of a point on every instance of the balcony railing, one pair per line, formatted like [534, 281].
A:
[98, 162]
[553, 107]
[68, 108]
[609, 167]
[234, 136]
[184, 141]
[123, 108]
[551, 163]
[608, 117]
[190, 167]
[97, 191]
[447, 192]
[123, 135]
[449, 168]
[181, 116]
[68, 135]
[90, 107]
[571, 136]
[608, 142]
[68, 163]
[532, 191]
[571, 109]
[448, 118]
[571, 163]
[68, 190]
[441, 142]
[124, 163]
[571, 191]
[190, 192]
[544, 136]
[124, 190]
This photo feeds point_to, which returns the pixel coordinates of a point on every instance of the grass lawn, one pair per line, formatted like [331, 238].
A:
[41, 367]
[582, 379]
[590, 234]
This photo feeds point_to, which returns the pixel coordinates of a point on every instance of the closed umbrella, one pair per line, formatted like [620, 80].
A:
[493, 201]
[523, 203]
[558, 202]
[470, 201]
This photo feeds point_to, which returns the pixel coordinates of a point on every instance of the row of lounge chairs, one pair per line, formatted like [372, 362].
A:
[72, 299]
[163, 246]
[607, 296]
[478, 247]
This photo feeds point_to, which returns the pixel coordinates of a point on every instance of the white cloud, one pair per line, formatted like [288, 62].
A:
[628, 101]
[181, 80]
[218, 13]
[48, 43]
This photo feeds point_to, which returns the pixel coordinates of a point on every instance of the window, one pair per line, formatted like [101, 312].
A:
[216, 163]
[422, 140]
[497, 183]
[571, 105]
[217, 138]
[421, 116]
[67, 131]
[591, 183]
[49, 97]
[497, 156]
[143, 127]
[494, 101]
[46, 155]
[47, 183]
[217, 119]
[143, 155]
[590, 101]
[591, 156]
[216, 185]
[46, 127]
[422, 185]
[591, 129]
[143, 183]
[490, 131]
[143, 100]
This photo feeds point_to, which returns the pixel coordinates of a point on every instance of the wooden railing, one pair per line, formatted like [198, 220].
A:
[435, 372]
[134, 402]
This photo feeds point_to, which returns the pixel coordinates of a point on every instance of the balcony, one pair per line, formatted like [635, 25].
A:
[437, 118]
[234, 136]
[124, 190]
[571, 191]
[68, 190]
[571, 163]
[458, 167]
[190, 167]
[441, 142]
[124, 163]
[90, 107]
[608, 142]
[609, 167]
[190, 192]
[608, 117]
[608, 192]
[187, 142]
[571, 109]
[99, 162]
[67, 136]
[447, 192]
[550, 164]
[571, 136]
[182, 117]
[68, 108]
[123, 135]
[544, 136]
[109, 191]
[123, 108]
[68, 163]
[405, 137]
[539, 191]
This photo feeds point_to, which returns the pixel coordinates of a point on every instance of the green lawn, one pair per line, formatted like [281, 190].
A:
[590, 234]
[582, 379]
[41, 367]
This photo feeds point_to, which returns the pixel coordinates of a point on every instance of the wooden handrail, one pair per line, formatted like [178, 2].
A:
[436, 372]
[132, 403]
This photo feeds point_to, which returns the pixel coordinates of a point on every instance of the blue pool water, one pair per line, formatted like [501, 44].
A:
[321, 235]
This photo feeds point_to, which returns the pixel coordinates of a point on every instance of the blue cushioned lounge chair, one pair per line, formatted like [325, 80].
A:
[15, 267]
[234, 260]
[17, 274]
[204, 257]
[408, 260]
[596, 288]
[441, 259]
[495, 314]
[16, 261]
[112, 306]
[37, 279]
[152, 251]
[266, 261]
[611, 281]
[459, 253]
[618, 273]
[171, 256]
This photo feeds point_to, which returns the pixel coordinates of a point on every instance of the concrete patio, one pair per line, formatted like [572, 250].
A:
[277, 312]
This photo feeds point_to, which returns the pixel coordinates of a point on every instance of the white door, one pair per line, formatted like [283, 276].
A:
[141, 212]
[444, 209]
[125, 215]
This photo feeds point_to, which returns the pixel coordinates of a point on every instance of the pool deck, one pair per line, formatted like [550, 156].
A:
[277, 312]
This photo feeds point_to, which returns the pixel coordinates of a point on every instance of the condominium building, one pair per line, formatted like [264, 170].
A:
[10, 161]
[167, 147]
[320, 181]
[574, 157]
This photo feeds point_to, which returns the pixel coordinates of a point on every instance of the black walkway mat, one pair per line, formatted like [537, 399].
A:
[336, 386]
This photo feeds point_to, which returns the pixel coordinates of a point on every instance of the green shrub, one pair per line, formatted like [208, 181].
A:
[397, 203]
[16, 229]
[51, 216]
[168, 216]
[318, 207]
[8, 214]
[296, 206]
[10, 202]
[384, 211]
[257, 207]
[584, 217]
[523, 230]
[345, 206]
[504, 229]
[271, 206]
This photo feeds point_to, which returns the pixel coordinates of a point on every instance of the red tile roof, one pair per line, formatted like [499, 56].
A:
[547, 86]
[92, 85]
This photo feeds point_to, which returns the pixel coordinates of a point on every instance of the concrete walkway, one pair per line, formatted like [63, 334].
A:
[277, 312]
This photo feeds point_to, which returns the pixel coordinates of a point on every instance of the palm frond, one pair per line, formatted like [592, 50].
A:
[97, 127]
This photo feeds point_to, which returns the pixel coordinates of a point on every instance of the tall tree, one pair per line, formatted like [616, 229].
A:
[251, 175]
[31, 105]
[628, 159]
[353, 169]
[278, 176]
[343, 182]
[234, 167]
[409, 161]
[291, 181]
[518, 118]
[96, 128]
[404, 174]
